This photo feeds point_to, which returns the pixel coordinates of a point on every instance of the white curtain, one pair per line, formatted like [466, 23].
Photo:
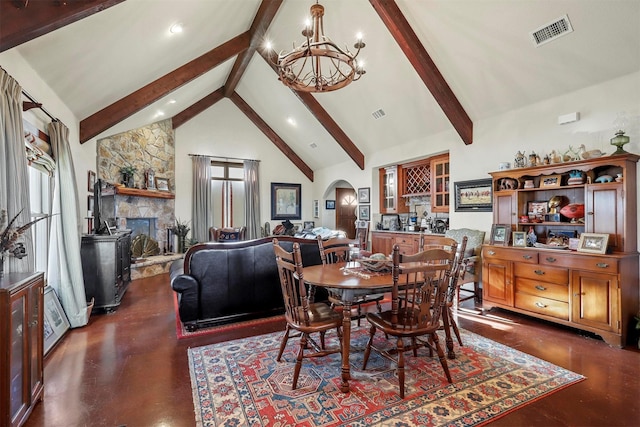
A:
[65, 265]
[252, 199]
[14, 176]
[201, 198]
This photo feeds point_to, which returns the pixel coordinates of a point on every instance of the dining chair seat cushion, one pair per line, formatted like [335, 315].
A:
[320, 315]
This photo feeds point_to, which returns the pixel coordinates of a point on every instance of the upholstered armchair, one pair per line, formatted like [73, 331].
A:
[472, 261]
[226, 234]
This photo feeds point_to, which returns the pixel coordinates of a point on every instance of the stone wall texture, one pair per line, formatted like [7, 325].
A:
[147, 147]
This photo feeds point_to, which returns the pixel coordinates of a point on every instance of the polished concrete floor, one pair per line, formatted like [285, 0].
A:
[128, 369]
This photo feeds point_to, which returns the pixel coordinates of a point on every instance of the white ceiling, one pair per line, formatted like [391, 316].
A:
[482, 48]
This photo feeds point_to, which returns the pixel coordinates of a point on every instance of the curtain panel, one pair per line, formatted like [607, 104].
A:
[65, 265]
[252, 199]
[14, 176]
[201, 198]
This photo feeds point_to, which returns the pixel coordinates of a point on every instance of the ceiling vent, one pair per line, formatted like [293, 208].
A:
[313, 145]
[552, 31]
[378, 114]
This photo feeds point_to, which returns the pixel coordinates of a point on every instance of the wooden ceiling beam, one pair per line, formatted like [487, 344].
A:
[21, 21]
[323, 118]
[425, 67]
[272, 135]
[197, 108]
[266, 12]
[136, 101]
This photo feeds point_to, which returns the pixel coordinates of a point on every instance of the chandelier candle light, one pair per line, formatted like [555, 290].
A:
[319, 65]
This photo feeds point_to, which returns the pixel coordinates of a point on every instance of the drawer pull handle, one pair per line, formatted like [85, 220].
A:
[551, 259]
[526, 256]
[602, 265]
[577, 294]
[541, 288]
[541, 305]
[539, 272]
[492, 253]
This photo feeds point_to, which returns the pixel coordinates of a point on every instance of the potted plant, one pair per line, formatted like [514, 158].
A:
[127, 173]
[181, 229]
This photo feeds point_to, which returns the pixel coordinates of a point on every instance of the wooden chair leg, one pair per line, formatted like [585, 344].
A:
[441, 356]
[283, 342]
[296, 371]
[454, 325]
[367, 350]
[401, 366]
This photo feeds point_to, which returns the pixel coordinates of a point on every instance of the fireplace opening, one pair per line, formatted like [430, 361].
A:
[142, 226]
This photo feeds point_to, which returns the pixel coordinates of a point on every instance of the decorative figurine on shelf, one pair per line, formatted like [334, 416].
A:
[555, 157]
[619, 141]
[546, 160]
[519, 161]
[150, 179]
[532, 239]
[575, 177]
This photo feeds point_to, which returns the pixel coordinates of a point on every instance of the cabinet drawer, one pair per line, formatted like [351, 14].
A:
[542, 273]
[573, 260]
[542, 305]
[543, 289]
[509, 254]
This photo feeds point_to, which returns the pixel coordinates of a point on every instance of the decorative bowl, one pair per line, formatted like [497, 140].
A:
[377, 262]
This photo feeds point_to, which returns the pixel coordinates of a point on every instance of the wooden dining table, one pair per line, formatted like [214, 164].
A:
[349, 281]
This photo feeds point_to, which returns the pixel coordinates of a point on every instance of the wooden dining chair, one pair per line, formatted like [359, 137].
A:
[418, 299]
[303, 317]
[336, 250]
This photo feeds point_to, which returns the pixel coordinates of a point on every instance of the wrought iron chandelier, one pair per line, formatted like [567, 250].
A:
[319, 65]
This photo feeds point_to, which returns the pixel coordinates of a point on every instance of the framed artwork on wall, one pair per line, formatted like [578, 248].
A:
[285, 201]
[91, 180]
[364, 212]
[473, 196]
[330, 204]
[364, 195]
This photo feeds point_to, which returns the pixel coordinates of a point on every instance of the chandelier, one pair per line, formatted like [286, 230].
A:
[319, 65]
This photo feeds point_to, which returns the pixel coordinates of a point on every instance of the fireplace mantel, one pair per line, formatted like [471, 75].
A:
[125, 191]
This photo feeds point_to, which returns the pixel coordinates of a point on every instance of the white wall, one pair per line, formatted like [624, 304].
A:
[223, 130]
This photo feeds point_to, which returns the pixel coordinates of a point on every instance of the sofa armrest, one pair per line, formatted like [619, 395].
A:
[183, 283]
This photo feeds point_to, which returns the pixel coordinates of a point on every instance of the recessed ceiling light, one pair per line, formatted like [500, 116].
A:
[291, 121]
[176, 28]
[171, 101]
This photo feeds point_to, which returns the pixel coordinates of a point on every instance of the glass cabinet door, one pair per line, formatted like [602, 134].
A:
[18, 399]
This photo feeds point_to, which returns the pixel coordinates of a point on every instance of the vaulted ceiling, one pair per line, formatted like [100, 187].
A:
[432, 65]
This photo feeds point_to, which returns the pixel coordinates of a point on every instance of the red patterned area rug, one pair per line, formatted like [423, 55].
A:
[239, 383]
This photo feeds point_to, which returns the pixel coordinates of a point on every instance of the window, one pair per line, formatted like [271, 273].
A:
[40, 192]
[227, 180]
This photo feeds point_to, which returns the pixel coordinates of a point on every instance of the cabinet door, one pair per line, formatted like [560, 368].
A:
[18, 358]
[440, 184]
[505, 206]
[497, 281]
[604, 212]
[407, 243]
[595, 298]
[381, 243]
[36, 340]
[388, 190]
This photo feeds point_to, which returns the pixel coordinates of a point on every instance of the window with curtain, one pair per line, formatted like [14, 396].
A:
[40, 186]
[227, 181]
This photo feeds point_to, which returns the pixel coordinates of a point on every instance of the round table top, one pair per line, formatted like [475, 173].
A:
[336, 276]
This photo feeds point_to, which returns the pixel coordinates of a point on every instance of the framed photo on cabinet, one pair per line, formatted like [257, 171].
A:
[500, 234]
[519, 239]
[594, 243]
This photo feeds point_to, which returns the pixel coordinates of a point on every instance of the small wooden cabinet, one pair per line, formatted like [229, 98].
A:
[594, 292]
[408, 242]
[21, 339]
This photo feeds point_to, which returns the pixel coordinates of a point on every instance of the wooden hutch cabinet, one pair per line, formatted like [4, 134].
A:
[590, 291]
[21, 338]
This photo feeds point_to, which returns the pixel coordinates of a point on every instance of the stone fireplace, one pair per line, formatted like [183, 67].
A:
[146, 215]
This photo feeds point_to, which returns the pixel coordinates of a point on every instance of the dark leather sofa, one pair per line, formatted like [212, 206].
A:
[224, 282]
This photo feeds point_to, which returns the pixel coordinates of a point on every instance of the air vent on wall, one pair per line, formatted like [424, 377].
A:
[378, 114]
[552, 31]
